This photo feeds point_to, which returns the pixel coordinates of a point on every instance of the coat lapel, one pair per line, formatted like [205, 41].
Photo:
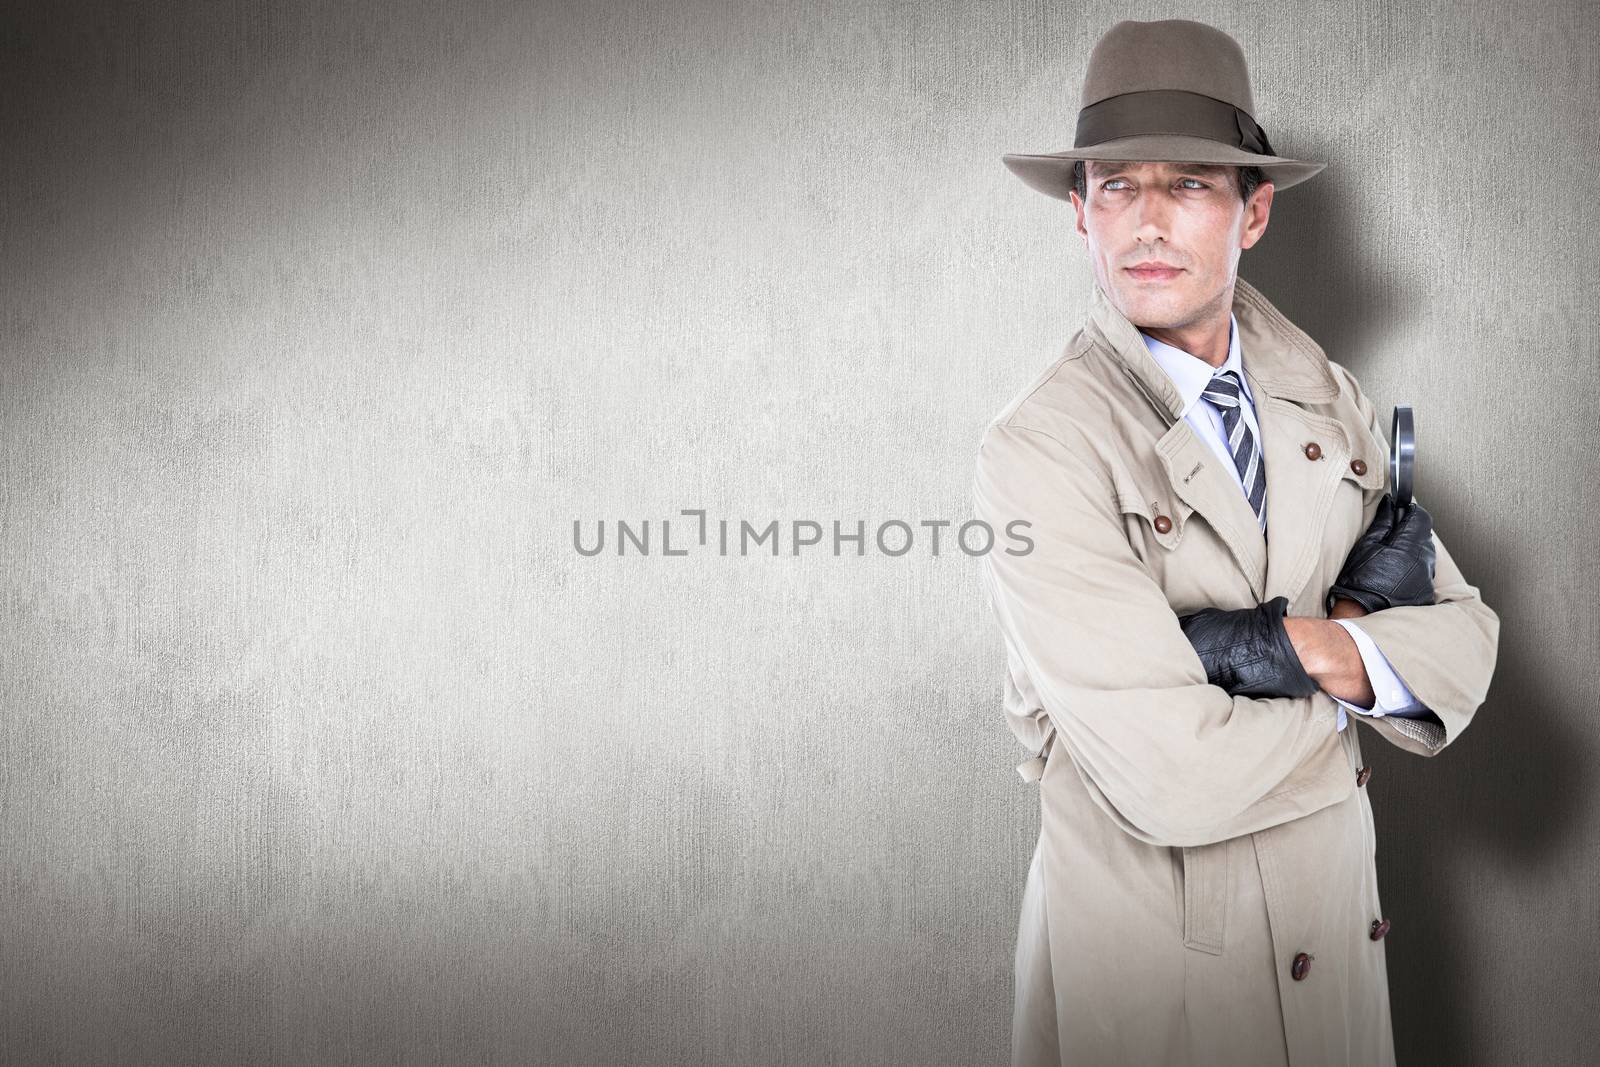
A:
[1286, 370]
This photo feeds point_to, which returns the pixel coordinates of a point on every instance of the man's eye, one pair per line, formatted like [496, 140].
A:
[1111, 183]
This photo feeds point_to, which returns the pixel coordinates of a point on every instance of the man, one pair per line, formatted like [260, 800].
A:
[1204, 488]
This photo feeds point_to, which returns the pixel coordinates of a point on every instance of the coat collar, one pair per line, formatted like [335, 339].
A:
[1277, 354]
[1284, 369]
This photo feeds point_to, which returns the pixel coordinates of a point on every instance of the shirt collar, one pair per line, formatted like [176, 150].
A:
[1191, 374]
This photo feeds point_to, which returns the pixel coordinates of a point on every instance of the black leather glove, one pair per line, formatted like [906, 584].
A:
[1392, 563]
[1247, 651]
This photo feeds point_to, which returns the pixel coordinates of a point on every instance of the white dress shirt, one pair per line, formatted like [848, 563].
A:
[1191, 375]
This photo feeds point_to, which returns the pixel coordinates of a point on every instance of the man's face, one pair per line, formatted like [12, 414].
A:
[1188, 217]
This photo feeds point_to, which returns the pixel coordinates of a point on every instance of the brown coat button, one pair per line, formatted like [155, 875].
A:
[1313, 450]
[1163, 524]
[1301, 966]
[1359, 466]
[1379, 928]
[1362, 775]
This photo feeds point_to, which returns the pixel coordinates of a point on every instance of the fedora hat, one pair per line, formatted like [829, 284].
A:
[1172, 90]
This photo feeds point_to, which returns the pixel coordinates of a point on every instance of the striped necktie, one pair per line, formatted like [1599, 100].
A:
[1223, 391]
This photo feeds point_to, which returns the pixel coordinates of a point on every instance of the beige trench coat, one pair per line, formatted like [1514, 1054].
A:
[1193, 843]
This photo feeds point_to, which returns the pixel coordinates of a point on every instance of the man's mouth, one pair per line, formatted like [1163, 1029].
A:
[1154, 272]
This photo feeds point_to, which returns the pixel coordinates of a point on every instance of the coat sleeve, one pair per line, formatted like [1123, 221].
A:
[1173, 759]
[1444, 652]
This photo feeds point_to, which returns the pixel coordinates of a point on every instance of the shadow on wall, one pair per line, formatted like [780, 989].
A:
[1509, 793]
[1311, 267]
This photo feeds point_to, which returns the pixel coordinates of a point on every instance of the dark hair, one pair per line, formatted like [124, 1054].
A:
[1249, 178]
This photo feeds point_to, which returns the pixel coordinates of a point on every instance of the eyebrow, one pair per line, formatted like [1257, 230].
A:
[1208, 169]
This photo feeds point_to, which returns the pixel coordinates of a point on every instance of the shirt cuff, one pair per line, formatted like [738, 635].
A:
[1393, 697]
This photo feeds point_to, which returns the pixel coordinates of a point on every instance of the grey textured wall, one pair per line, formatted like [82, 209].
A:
[322, 323]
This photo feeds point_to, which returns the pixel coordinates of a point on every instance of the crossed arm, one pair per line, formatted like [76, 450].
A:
[1171, 757]
[1263, 651]
[1329, 654]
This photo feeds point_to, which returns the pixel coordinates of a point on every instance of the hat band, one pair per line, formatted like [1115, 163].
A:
[1173, 112]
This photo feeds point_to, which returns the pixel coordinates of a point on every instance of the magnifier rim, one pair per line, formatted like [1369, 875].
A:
[1402, 455]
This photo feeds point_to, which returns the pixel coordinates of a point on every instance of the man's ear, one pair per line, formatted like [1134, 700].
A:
[1077, 205]
[1256, 212]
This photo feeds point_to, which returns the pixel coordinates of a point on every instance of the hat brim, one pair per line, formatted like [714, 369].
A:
[1051, 172]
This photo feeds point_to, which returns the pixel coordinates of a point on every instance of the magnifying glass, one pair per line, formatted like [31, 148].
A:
[1402, 457]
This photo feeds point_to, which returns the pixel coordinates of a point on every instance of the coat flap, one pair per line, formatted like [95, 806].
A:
[1196, 477]
[1371, 451]
[1149, 495]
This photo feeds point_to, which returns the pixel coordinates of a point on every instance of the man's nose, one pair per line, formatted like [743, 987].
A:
[1152, 215]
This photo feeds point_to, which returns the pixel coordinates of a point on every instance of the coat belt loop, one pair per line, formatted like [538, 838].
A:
[1205, 896]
